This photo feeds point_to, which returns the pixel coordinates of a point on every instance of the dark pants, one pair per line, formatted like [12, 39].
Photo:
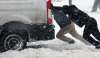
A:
[91, 28]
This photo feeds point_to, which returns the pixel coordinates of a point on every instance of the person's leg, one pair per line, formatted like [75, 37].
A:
[74, 33]
[96, 33]
[86, 36]
[61, 34]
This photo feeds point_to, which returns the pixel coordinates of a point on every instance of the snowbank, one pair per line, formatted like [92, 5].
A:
[54, 49]
[50, 53]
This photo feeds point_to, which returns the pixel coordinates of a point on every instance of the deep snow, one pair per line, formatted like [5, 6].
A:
[59, 49]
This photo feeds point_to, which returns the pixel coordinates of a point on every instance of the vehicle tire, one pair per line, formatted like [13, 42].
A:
[12, 41]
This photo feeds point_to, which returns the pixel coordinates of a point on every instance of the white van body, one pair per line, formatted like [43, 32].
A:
[23, 21]
[28, 11]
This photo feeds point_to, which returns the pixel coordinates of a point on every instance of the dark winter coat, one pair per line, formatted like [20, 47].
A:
[60, 17]
[78, 16]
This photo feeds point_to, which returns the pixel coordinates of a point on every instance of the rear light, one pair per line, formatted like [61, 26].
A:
[49, 4]
[49, 14]
[50, 21]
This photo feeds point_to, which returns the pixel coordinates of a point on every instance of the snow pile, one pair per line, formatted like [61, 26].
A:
[51, 53]
[57, 49]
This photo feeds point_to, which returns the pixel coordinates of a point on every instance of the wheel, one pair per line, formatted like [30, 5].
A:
[12, 41]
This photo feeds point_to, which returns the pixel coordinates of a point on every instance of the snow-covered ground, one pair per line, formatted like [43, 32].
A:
[59, 49]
